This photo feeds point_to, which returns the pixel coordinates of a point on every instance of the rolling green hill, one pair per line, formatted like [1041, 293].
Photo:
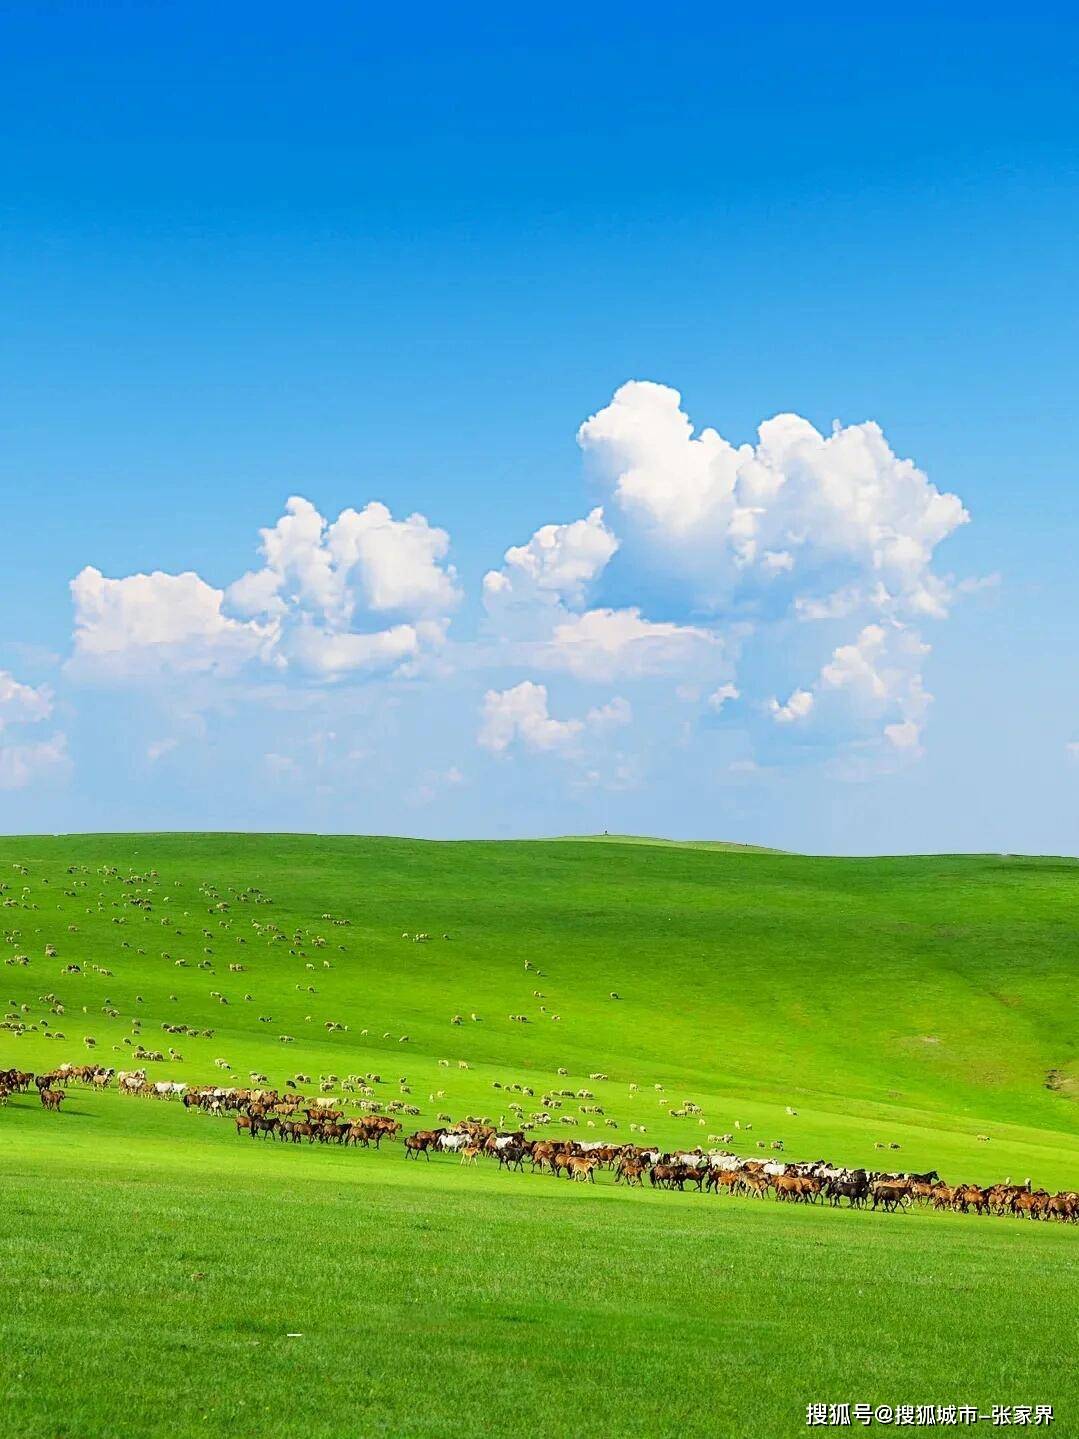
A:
[924, 1003]
[919, 1001]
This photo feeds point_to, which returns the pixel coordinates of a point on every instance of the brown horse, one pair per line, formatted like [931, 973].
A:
[889, 1196]
[630, 1170]
[580, 1168]
[788, 1187]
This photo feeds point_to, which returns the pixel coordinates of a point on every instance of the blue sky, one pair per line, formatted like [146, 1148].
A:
[359, 259]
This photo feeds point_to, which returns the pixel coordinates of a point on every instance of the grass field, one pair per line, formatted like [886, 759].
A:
[155, 1265]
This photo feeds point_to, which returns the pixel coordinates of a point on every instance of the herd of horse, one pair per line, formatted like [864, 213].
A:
[51, 1085]
[721, 1171]
[292, 1118]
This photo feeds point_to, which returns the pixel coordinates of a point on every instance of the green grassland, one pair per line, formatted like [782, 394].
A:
[154, 1264]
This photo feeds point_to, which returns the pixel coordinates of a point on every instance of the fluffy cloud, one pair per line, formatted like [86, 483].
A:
[798, 504]
[22, 761]
[614, 713]
[878, 679]
[798, 707]
[537, 602]
[332, 653]
[674, 480]
[144, 623]
[521, 715]
[557, 565]
[800, 524]
[22, 704]
[718, 698]
[604, 644]
[365, 560]
[800, 565]
[319, 605]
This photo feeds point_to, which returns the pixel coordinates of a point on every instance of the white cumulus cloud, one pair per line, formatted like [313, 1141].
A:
[536, 605]
[332, 653]
[798, 504]
[522, 715]
[22, 704]
[557, 565]
[603, 644]
[361, 595]
[798, 707]
[718, 698]
[686, 582]
[802, 524]
[24, 760]
[145, 622]
[363, 560]
[873, 684]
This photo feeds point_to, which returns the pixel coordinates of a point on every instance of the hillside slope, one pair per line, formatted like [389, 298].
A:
[913, 1001]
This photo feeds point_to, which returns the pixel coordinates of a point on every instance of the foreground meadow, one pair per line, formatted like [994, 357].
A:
[162, 1276]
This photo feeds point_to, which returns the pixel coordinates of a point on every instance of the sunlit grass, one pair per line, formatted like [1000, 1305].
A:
[154, 1264]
